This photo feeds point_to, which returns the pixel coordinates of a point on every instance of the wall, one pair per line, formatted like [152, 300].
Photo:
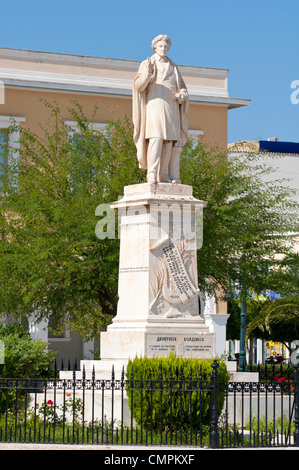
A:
[210, 119]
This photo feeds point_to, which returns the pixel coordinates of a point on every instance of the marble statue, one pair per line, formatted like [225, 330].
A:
[160, 114]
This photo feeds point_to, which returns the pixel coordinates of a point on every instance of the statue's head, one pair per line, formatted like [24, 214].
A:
[161, 44]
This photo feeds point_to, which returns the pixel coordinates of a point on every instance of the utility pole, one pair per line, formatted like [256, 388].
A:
[242, 357]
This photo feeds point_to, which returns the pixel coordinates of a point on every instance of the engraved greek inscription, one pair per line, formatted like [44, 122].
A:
[184, 286]
[133, 269]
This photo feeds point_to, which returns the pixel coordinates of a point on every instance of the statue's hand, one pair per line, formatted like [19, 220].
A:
[149, 66]
[180, 96]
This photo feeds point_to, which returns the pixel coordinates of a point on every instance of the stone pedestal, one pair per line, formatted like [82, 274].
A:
[158, 312]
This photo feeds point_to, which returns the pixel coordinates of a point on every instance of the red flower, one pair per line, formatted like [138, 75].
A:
[275, 377]
[49, 402]
[282, 379]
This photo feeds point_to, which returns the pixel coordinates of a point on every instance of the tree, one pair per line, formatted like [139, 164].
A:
[53, 265]
[277, 320]
[254, 306]
[24, 357]
[288, 273]
[246, 220]
[245, 225]
[233, 327]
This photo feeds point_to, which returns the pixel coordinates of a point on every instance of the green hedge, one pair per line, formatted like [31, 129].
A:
[23, 357]
[164, 393]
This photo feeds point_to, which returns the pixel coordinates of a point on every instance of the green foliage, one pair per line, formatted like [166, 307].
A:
[288, 273]
[52, 263]
[234, 321]
[169, 393]
[253, 308]
[45, 422]
[23, 357]
[270, 426]
[277, 320]
[245, 221]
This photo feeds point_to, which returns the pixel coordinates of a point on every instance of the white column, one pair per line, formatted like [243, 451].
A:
[88, 349]
[38, 330]
[216, 322]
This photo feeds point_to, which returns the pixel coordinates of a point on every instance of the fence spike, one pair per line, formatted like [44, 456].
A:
[181, 373]
[214, 432]
[296, 405]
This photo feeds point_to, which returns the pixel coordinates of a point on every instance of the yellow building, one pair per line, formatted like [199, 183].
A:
[27, 77]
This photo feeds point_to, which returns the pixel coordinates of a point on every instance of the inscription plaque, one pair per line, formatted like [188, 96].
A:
[186, 345]
[184, 286]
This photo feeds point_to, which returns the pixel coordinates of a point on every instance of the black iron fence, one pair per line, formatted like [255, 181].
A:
[124, 410]
[273, 371]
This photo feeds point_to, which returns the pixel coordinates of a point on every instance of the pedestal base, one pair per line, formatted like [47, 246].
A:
[158, 338]
[158, 310]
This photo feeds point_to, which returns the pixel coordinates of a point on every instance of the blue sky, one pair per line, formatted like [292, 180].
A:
[257, 40]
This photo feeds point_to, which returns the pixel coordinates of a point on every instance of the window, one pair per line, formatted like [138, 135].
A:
[195, 135]
[3, 144]
[83, 167]
[9, 138]
[63, 332]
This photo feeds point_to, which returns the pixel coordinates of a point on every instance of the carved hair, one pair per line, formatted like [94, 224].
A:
[160, 38]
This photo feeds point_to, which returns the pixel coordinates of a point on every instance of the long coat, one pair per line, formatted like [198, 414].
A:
[155, 111]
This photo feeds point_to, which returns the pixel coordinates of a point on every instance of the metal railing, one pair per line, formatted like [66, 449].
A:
[168, 411]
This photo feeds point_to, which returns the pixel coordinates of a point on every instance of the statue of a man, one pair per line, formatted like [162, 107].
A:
[160, 107]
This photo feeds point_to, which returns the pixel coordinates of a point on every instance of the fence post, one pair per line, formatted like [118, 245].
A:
[296, 405]
[214, 433]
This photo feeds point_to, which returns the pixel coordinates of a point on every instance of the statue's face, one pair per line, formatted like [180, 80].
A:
[162, 48]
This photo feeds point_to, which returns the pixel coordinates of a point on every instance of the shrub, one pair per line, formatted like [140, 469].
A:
[172, 392]
[23, 357]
